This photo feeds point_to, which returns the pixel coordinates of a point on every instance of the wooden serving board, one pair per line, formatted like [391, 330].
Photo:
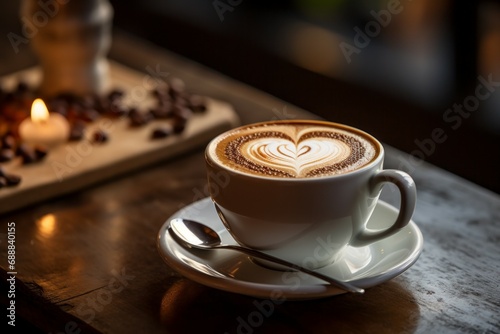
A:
[75, 165]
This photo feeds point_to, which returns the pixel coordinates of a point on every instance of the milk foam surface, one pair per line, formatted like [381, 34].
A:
[293, 150]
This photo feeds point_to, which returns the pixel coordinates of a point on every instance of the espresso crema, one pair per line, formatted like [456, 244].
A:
[293, 150]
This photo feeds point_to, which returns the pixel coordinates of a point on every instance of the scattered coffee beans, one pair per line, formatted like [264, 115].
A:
[174, 105]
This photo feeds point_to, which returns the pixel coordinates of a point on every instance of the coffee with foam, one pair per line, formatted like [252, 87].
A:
[294, 149]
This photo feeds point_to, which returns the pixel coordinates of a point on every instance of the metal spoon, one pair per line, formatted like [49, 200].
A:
[196, 235]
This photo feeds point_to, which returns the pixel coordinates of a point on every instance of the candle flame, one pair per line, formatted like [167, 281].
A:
[39, 111]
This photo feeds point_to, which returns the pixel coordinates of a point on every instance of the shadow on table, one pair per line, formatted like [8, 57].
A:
[188, 307]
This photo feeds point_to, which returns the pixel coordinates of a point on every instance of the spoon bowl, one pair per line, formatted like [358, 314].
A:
[193, 234]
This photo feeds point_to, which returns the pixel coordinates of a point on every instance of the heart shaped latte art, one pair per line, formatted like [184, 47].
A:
[291, 158]
[274, 153]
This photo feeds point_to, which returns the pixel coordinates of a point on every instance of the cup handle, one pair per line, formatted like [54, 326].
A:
[408, 191]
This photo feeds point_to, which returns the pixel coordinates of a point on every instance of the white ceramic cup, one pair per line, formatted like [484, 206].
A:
[308, 221]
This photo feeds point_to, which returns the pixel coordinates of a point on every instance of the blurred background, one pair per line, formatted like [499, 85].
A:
[422, 76]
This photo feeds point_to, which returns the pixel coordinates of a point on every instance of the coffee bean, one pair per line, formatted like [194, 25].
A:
[21, 149]
[115, 95]
[161, 94]
[6, 154]
[8, 141]
[133, 112]
[115, 111]
[73, 112]
[40, 152]
[181, 102]
[197, 103]
[60, 109]
[100, 137]
[166, 103]
[162, 112]
[77, 130]
[182, 112]
[149, 115]
[12, 180]
[88, 115]
[56, 102]
[181, 116]
[27, 154]
[87, 101]
[179, 125]
[76, 134]
[31, 154]
[176, 87]
[159, 113]
[8, 180]
[101, 104]
[161, 132]
[137, 120]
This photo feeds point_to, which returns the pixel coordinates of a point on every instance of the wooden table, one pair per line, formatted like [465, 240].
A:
[88, 263]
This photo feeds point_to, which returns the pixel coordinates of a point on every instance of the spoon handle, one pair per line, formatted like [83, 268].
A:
[263, 256]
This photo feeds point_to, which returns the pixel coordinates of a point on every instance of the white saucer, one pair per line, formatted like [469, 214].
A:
[235, 272]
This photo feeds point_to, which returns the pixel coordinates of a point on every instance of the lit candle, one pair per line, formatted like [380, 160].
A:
[44, 128]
